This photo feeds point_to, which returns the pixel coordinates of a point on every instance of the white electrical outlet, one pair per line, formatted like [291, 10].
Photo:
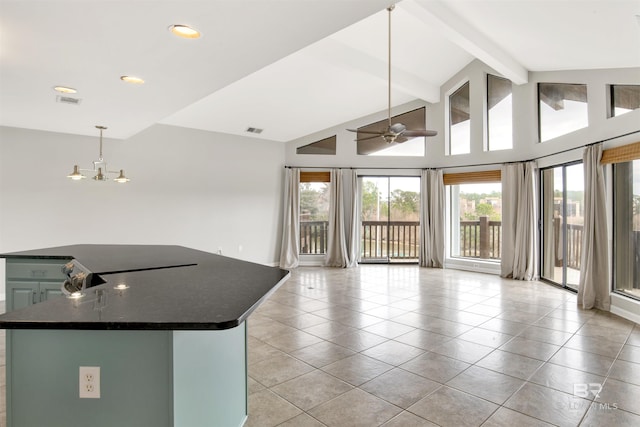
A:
[89, 382]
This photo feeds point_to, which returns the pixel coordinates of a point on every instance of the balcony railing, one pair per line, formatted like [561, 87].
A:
[397, 240]
[480, 239]
[400, 240]
[313, 237]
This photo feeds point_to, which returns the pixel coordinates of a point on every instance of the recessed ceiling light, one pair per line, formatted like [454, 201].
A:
[64, 89]
[185, 31]
[132, 79]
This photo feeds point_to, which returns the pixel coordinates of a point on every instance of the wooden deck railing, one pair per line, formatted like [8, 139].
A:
[481, 238]
[400, 240]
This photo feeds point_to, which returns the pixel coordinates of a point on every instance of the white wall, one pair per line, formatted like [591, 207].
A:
[188, 187]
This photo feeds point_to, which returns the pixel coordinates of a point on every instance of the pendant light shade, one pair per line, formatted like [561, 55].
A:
[100, 176]
[99, 167]
[121, 178]
[76, 175]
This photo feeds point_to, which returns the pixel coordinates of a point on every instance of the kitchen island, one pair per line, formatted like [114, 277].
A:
[166, 325]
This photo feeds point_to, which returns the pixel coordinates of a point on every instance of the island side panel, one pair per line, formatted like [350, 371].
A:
[210, 377]
[135, 376]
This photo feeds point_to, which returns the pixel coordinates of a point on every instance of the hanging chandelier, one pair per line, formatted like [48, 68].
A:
[99, 168]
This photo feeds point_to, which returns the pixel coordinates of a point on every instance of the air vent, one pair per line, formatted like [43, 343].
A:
[254, 130]
[68, 100]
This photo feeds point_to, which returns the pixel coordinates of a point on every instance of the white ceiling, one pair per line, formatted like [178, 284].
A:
[291, 67]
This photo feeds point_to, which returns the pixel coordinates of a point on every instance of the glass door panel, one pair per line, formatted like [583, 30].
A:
[390, 219]
[562, 222]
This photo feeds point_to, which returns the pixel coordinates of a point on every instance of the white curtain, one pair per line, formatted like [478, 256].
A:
[290, 249]
[519, 221]
[432, 208]
[353, 220]
[593, 287]
[337, 255]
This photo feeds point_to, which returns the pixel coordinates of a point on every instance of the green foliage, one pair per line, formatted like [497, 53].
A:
[314, 203]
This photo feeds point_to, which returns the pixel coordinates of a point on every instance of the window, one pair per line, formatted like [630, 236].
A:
[624, 98]
[459, 121]
[499, 114]
[324, 146]
[314, 212]
[475, 208]
[562, 109]
[369, 145]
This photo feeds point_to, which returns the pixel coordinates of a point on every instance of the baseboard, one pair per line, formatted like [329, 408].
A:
[625, 307]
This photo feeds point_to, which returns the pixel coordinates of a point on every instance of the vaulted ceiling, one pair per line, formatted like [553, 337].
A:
[290, 67]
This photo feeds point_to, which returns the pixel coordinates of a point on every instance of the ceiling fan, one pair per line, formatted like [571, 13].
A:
[396, 132]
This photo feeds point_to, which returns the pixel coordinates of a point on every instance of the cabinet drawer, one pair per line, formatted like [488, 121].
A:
[35, 270]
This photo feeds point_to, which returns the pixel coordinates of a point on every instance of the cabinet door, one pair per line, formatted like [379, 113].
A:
[50, 290]
[21, 294]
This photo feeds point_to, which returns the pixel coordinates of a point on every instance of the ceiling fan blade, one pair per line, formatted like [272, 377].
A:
[369, 137]
[419, 132]
[372, 132]
[372, 146]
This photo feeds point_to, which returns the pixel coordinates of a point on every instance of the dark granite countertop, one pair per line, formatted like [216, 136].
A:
[168, 288]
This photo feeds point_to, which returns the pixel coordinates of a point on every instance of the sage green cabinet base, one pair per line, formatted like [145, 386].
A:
[30, 281]
[147, 378]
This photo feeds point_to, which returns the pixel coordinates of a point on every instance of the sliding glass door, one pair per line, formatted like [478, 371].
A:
[562, 222]
[390, 219]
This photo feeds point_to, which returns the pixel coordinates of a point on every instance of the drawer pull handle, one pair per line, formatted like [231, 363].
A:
[33, 297]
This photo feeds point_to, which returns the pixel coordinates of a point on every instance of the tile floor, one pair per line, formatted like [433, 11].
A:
[407, 346]
[402, 346]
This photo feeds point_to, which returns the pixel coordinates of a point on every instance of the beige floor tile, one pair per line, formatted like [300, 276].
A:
[485, 337]
[600, 415]
[504, 326]
[358, 340]
[551, 336]
[388, 329]
[302, 420]
[310, 390]
[449, 407]
[486, 384]
[625, 371]
[400, 387]
[355, 408]
[293, 341]
[266, 409]
[407, 419]
[277, 369]
[564, 379]
[630, 354]
[529, 348]
[322, 354]
[425, 340]
[504, 417]
[393, 352]
[583, 361]
[435, 366]
[622, 395]
[357, 369]
[549, 405]
[511, 364]
[463, 350]
[595, 345]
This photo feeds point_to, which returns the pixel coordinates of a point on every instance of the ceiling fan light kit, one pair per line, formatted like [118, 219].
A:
[395, 133]
[99, 168]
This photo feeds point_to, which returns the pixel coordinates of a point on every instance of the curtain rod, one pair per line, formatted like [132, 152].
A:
[477, 164]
